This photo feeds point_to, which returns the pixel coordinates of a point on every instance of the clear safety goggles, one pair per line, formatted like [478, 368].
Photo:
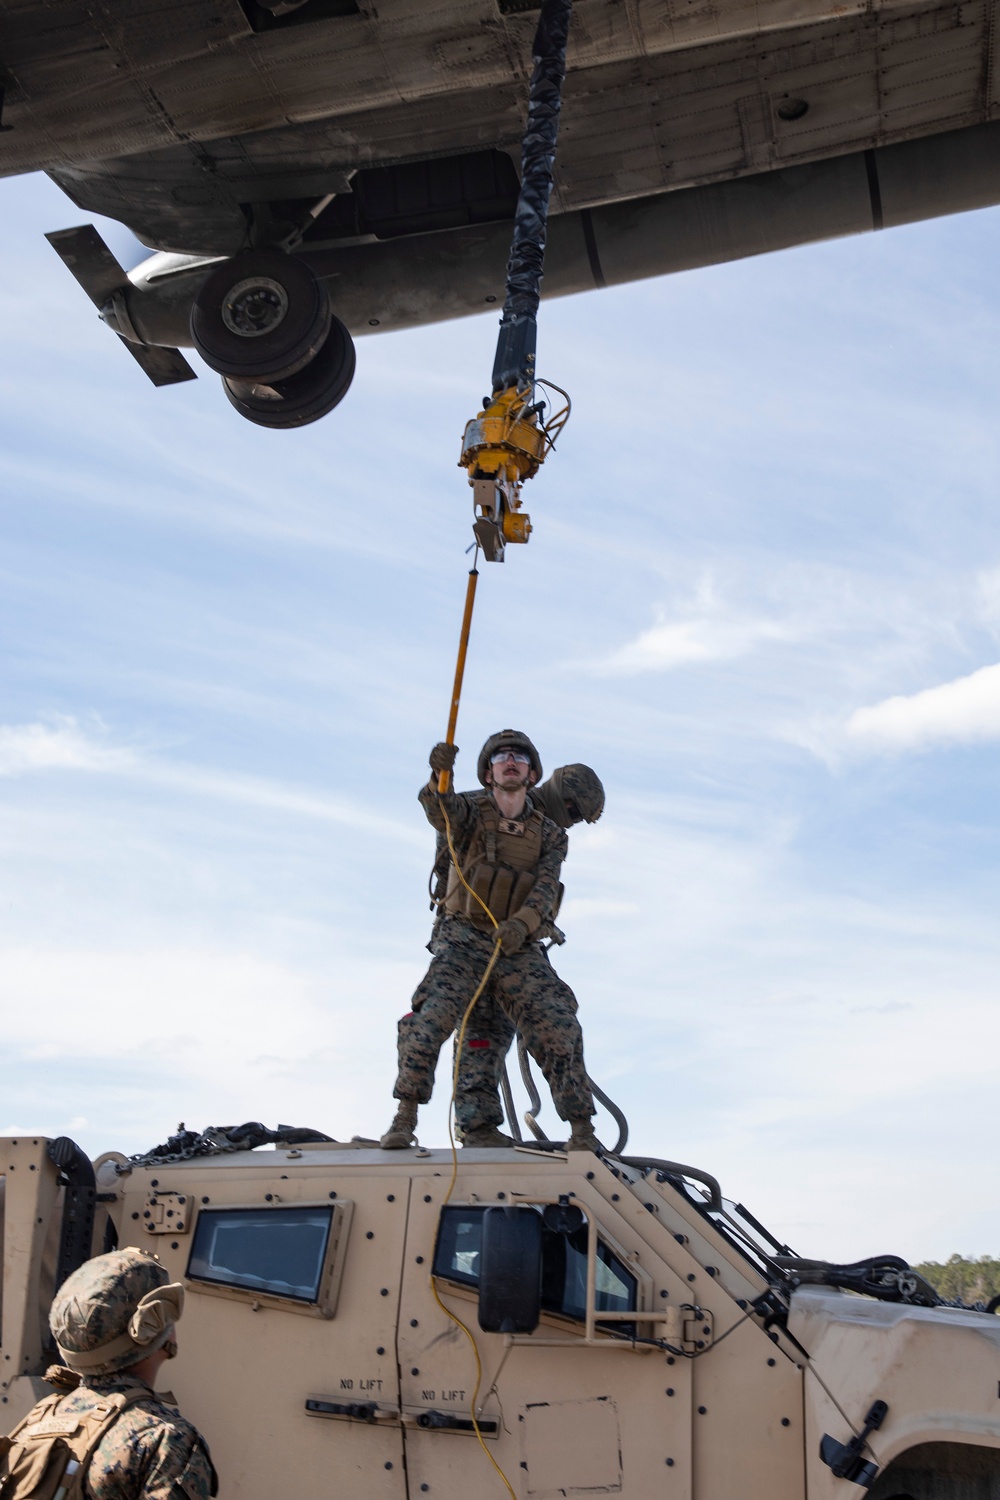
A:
[518, 756]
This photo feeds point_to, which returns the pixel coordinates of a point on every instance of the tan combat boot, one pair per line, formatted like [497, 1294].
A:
[401, 1132]
[583, 1137]
[486, 1135]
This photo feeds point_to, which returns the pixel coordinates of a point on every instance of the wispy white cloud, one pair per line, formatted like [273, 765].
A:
[63, 745]
[706, 629]
[259, 792]
[59, 746]
[964, 711]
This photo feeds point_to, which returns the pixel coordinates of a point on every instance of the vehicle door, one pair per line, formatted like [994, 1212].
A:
[287, 1357]
[561, 1413]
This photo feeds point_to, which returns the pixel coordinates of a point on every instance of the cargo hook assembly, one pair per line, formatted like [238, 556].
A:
[509, 440]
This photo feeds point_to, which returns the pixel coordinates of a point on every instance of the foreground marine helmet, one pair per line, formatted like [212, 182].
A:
[579, 795]
[113, 1311]
[507, 739]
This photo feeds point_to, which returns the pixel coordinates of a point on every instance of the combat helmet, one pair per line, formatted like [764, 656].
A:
[113, 1311]
[579, 787]
[514, 740]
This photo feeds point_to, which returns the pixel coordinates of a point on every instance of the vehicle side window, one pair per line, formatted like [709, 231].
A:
[564, 1276]
[564, 1265]
[456, 1254]
[279, 1251]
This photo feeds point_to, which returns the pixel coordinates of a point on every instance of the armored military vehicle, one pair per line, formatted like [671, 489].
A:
[361, 1325]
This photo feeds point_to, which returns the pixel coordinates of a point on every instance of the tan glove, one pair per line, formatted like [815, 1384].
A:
[512, 935]
[443, 757]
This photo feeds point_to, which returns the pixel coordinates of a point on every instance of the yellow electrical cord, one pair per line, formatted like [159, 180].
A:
[454, 1150]
[479, 1380]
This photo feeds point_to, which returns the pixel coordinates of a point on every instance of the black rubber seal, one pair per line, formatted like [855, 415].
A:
[874, 190]
[590, 240]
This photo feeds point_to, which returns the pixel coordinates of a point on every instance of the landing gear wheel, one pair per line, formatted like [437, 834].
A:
[262, 315]
[305, 396]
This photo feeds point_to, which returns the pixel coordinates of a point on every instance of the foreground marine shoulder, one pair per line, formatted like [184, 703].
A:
[151, 1453]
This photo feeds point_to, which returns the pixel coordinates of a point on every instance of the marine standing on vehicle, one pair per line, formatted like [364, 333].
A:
[104, 1430]
[572, 794]
[511, 856]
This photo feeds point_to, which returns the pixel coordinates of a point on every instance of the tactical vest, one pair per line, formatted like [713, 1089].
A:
[46, 1457]
[500, 865]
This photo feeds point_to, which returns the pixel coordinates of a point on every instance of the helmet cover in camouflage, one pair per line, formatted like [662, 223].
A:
[581, 792]
[113, 1311]
[507, 739]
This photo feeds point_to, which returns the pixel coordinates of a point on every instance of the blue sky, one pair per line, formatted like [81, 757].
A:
[762, 598]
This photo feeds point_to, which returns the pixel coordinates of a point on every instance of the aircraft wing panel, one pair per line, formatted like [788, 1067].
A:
[189, 197]
[631, 129]
[105, 80]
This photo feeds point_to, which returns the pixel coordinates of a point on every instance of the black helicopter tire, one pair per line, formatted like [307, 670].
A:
[305, 396]
[261, 315]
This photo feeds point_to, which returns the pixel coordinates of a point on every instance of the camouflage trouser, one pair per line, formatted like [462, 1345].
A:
[530, 994]
[487, 1040]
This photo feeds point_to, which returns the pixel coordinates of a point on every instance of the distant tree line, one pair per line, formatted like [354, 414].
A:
[962, 1277]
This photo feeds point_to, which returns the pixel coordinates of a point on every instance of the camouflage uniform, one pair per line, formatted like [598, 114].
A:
[109, 1315]
[490, 1032]
[151, 1452]
[523, 986]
